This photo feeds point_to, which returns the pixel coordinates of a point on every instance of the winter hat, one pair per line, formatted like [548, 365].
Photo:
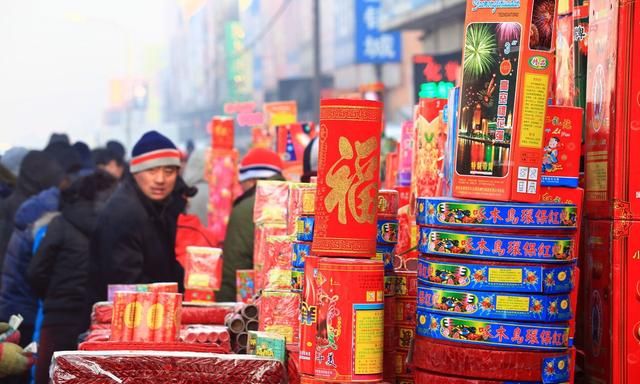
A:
[117, 149]
[13, 158]
[65, 155]
[260, 163]
[85, 154]
[154, 150]
[39, 171]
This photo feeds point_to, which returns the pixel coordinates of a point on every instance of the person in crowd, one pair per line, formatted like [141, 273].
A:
[108, 161]
[16, 295]
[12, 159]
[38, 171]
[84, 152]
[59, 271]
[310, 160]
[258, 164]
[134, 240]
[194, 177]
[59, 138]
[117, 149]
[7, 182]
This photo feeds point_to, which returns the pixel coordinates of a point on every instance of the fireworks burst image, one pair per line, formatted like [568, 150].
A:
[543, 19]
[479, 49]
[508, 32]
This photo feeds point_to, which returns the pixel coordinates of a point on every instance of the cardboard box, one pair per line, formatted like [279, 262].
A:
[613, 111]
[266, 344]
[507, 74]
[447, 273]
[562, 144]
[612, 313]
[497, 333]
[490, 305]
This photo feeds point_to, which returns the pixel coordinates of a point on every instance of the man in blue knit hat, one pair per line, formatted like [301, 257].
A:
[134, 239]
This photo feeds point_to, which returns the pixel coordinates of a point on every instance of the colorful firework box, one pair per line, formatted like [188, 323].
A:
[405, 152]
[388, 203]
[562, 145]
[490, 305]
[304, 228]
[495, 277]
[199, 296]
[203, 268]
[444, 212]
[222, 173]
[146, 316]
[406, 310]
[507, 74]
[406, 284]
[387, 231]
[276, 270]
[495, 246]
[350, 336]
[484, 365]
[279, 313]
[222, 132]
[300, 252]
[302, 201]
[611, 310]
[291, 141]
[348, 178]
[245, 287]
[385, 253]
[271, 202]
[613, 111]
[261, 233]
[297, 279]
[153, 287]
[495, 333]
[266, 344]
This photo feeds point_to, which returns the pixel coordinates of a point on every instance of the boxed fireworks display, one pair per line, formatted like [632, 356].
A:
[613, 111]
[222, 174]
[221, 129]
[507, 70]
[562, 140]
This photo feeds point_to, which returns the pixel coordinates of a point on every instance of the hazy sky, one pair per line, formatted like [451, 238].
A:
[56, 59]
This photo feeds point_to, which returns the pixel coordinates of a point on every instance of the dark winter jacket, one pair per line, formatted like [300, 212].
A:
[134, 241]
[238, 243]
[59, 271]
[16, 295]
[38, 172]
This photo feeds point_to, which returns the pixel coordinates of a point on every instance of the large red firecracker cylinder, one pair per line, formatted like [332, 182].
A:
[348, 178]
[221, 129]
[168, 312]
[350, 336]
[122, 316]
[143, 330]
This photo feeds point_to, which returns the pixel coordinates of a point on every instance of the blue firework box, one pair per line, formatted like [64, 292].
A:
[487, 215]
[385, 252]
[493, 305]
[494, 276]
[493, 246]
[300, 252]
[304, 228]
[387, 232]
[496, 333]
[297, 279]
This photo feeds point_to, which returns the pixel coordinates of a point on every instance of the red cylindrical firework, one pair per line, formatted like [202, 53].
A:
[389, 310]
[406, 284]
[406, 311]
[389, 338]
[168, 314]
[309, 317]
[404, 336]
[388, 203]
[224, 336]
[145, 320]
[163, 287]
[348, 178]
[122, 316]
[203, 336]
[350, 336]
[400, 359]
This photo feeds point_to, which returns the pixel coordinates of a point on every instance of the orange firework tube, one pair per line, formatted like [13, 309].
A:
[120, 301]
[131, 314]
[145, 319]
[168, 309]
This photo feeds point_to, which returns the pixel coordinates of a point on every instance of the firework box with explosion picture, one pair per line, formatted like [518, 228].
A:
[447, 273]
[561, 153]
[507, 73]
[494, 305]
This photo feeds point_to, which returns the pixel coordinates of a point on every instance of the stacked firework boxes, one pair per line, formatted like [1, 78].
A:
[496, 289]
[342, 315]
[612, 201]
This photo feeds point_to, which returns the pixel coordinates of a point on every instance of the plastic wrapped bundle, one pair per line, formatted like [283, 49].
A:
[102, 312]
[168, 367]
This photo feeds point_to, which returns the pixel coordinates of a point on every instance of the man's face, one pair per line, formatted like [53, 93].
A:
[157, 183]
[113, 169]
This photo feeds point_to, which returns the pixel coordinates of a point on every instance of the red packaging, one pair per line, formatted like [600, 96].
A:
[404, 194]
[612, 314]
[206, 314]
[163, 287]
[406, 311]
[122, 321]
[405, 154]
[428, 153]
[390, 338]
[404, 336]
[199, 296]
[489, 363]
[389, 364]
[389, 311]
[350, 336]
[271, 202]
[309, 317]
[262, 232]
[221, 129]
[276, 272]
[407, 231]
[562, 145]
[145, 317]
[245, 285]
[222, 173]
[302, 201]
[406, 284]
[348, 178]
[564, 80]
[280, 313]
[503, 99]
[400, 359]
[168, 314]
[203, 268]
[391, 169]
[407, 379]
[388, 201]
[567, 196]
[613, 111]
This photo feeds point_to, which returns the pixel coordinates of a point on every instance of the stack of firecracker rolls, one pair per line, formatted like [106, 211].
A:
[239, 323]
[496, 292]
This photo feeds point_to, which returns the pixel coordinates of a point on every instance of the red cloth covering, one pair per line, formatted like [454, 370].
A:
[163, 367]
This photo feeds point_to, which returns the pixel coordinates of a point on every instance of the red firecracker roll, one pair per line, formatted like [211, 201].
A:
[102, 312]
[487, 363]
[348, 178]
[279, 313]
[206, 314]
[388, 200]
[406, 284]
